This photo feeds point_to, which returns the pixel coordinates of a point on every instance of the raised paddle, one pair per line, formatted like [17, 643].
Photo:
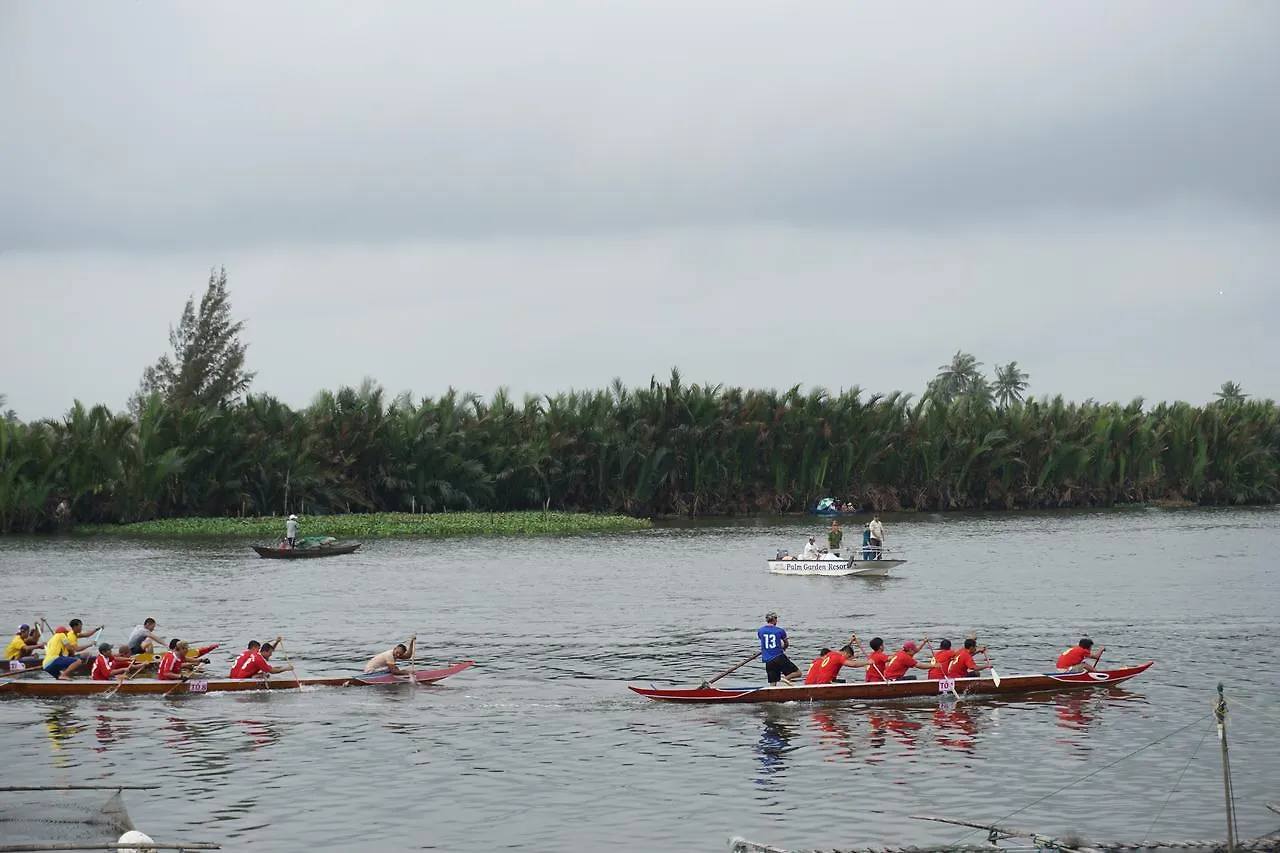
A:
[710, 681]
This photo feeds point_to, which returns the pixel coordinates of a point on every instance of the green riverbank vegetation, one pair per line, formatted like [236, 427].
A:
[380, 525]
[194, 443]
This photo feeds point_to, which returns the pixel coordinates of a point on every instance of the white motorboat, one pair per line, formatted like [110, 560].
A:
[832, 564]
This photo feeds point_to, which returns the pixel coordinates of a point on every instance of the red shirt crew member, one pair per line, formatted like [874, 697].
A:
[1079, 656]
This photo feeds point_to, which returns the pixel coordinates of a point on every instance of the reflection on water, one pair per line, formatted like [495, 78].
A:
[773, 747]
[61, 726]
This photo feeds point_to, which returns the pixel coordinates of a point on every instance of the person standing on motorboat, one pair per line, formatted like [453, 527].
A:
[291, 530]
[834, 536]
[876, 529]
[810, 550]
[866, 541]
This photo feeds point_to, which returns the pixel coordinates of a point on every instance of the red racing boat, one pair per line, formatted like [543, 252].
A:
[86, 687]
[891, 690]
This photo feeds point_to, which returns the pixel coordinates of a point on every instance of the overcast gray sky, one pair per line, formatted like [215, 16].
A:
[548, 195]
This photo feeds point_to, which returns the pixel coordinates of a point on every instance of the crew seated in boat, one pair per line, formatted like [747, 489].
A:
[384, 663]
[903, 661]
[826, 666]
[105, 667]
[256, 661]
[962, 664]
[810, 550]
[1076, 658]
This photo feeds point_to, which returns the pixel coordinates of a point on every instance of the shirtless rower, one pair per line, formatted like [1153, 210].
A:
[385, 662]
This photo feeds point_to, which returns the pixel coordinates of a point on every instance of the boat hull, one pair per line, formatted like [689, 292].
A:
[304, 553]
[86, 687]
[833, 568]
[894, 690]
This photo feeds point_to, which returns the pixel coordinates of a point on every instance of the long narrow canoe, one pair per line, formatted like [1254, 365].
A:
[891, 690]
[305, 553]
[86, 687]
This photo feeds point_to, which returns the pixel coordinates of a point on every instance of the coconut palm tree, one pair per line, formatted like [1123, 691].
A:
[956, 378]
[1010, 384]
[1230, 392]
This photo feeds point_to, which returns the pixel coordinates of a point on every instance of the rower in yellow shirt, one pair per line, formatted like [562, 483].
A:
[21, 646]
[59, 654]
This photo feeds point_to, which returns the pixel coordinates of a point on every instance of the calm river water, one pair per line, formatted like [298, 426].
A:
[541, 747]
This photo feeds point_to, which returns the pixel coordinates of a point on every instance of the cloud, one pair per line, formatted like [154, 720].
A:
[161, 127]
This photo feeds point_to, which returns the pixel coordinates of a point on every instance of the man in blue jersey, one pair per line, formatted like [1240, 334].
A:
[773, 648]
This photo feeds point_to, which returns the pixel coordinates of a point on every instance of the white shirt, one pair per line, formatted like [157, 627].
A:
[291, 529]
[810, 551]
[877, 530]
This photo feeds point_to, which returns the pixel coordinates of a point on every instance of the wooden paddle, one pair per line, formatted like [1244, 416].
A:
[734, 668]
[134, 670]
[296, 679]
[195, 670]
[413, 658]
[995, 676]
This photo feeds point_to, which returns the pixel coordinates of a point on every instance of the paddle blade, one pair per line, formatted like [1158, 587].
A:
[995, 677]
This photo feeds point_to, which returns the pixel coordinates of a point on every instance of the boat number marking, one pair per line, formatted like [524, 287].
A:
[946, 685]
[15, 665]
[197, 686]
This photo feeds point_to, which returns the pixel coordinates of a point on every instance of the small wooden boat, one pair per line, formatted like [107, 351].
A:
[835, 566]
[312, 546]
[86, 687]
[891, 690]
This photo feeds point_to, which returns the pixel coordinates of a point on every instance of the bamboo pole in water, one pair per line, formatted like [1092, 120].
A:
[1220, 712]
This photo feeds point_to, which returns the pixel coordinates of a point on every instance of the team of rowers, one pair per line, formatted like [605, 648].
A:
[945, 662]
[63, 655]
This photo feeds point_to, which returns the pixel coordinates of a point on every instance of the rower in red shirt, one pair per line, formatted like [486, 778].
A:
[877, 660]
[962, 664]
[104, 666]
[903, 661]
[1078, 657]
[256, 662]
[826, 666]
[941, 658]
[171, 663]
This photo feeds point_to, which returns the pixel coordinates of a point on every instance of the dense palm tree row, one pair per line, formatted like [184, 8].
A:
[666, 449]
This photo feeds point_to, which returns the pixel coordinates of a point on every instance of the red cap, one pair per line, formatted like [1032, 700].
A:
[61, 629]
[908, 646]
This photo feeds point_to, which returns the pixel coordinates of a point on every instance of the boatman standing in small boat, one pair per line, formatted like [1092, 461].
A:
[385, 662]
[1077, 657]
[876, 529]
[291, 530]
[773, 648]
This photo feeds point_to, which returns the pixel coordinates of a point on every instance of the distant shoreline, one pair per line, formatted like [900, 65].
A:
[382, 525]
